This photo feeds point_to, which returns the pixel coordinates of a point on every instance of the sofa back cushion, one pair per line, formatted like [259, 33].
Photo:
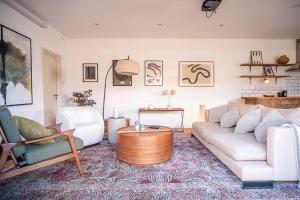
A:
[273, 118]
[216, 113]
[11, 130]
[248, 122]
[293, 114]
[243, 108]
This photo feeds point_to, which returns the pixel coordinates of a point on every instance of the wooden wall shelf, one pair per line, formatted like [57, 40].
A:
[250, 65]
[264, 76]
[265, 65]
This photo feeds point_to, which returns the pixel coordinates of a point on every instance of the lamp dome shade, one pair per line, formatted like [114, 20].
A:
[127, 67]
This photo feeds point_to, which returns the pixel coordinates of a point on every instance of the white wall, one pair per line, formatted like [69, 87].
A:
[226, 54]
[40, 38]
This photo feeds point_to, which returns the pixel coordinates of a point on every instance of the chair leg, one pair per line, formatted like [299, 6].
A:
[74, 150]
[5, 152]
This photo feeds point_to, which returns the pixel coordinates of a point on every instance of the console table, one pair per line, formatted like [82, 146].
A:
[160, 110]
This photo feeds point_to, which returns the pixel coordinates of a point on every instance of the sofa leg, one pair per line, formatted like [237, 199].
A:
[257, 185]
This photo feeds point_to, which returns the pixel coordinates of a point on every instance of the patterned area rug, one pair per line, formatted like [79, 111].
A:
[193, 173]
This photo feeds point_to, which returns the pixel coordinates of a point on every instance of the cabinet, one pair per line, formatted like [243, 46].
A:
[274, 102]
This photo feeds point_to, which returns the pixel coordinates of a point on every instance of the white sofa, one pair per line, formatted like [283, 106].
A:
[87, 122]
[256, 164]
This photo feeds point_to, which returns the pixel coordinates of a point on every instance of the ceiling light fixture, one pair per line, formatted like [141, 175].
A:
[210, 7]
[159, 24]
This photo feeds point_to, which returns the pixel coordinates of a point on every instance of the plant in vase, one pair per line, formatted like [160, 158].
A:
[82, 98]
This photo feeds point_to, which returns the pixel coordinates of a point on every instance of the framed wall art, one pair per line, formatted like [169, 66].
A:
[196, 73]
[15, 68]
[269, 71]
[90, 72]
[153, 73]
[119, 79]
[256, 57]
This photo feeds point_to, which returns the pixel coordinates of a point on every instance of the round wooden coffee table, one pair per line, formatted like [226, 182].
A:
[150, 146]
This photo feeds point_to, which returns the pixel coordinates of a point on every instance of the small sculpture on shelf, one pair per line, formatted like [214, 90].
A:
[82, 98]
[170, 93]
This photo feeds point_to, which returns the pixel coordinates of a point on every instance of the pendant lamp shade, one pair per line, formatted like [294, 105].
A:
[127, 67]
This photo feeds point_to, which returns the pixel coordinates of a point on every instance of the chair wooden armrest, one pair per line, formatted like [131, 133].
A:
[55, 135]
[56, 127]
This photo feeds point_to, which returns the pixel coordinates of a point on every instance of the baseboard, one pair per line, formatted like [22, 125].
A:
[257, 185]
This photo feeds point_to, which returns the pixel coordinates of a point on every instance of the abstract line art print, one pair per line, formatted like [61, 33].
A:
[196, 73]
[153, 72]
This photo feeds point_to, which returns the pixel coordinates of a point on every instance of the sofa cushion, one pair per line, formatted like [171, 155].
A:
[216, 113]
[11, 130]
[273, 118]
[248, 122]
[240, 147]
[243, 108]
[292, 114]
[206, 128]
[230, 118]
[31, 129]
[37, 153]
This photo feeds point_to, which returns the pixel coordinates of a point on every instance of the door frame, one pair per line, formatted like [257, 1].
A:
[58, 75]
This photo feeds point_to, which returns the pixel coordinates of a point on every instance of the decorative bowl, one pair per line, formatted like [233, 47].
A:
[283, 60]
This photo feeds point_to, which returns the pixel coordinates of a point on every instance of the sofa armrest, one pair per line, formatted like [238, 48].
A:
[281, 153]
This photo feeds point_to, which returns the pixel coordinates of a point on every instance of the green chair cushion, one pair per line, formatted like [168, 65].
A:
[30, 129]
[11, 130]
[37, 153]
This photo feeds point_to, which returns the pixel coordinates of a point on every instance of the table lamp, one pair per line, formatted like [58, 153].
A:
[170, 93]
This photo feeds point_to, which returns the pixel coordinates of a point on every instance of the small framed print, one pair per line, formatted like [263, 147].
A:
[269, 71]
[196, 73]
[153, 73]
[90, 72]
[256, 57]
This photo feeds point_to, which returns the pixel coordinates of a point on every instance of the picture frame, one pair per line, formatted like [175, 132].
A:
[15, 72]
[90, 72]
[256, 57]
[269, 71]
[153, 73]
[196, 74]
[119, 79]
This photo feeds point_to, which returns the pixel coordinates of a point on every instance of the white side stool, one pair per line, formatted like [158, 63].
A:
[113, 125]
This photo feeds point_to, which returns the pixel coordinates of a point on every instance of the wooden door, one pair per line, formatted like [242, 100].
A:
[51, 85]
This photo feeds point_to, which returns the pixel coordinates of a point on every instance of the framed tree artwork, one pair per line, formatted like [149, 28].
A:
[90, 72]
[196, 73]
[119, 79]
[153, 72]
[15, 68]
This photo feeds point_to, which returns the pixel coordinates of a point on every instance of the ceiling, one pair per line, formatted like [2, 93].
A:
[169, 18]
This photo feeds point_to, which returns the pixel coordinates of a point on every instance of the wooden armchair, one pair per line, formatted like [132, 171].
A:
[18, 157]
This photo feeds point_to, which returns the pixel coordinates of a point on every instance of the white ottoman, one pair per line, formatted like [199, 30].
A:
[113, 125]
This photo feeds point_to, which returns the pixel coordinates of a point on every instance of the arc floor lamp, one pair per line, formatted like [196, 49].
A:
[124, 67]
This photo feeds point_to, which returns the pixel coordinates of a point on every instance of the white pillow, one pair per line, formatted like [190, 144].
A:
[216, 113]
[248, 122]
[273, 118]
[230, 118]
